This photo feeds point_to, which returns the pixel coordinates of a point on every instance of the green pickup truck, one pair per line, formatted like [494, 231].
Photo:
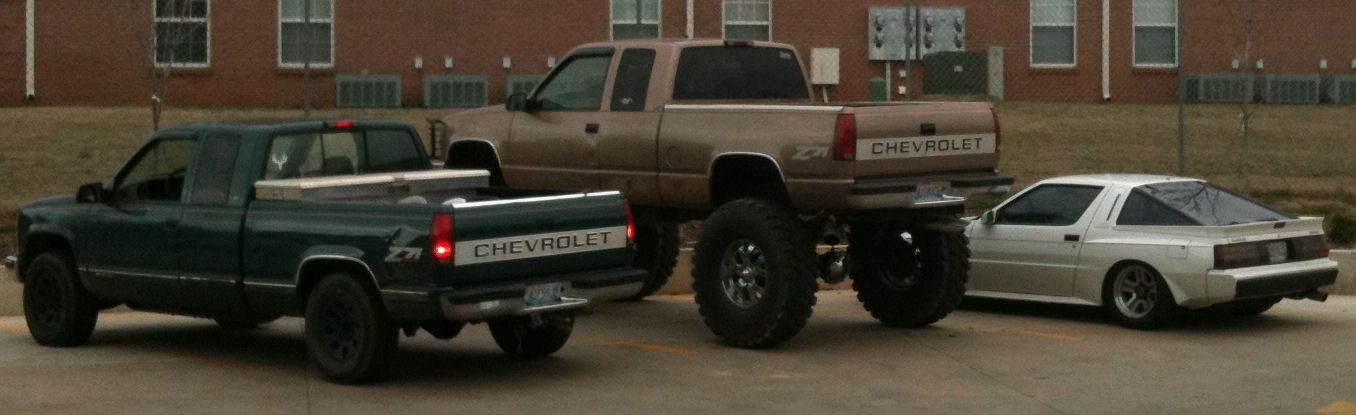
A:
[342, 222]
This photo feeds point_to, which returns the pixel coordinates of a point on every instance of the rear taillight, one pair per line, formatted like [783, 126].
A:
[1311, 247]
[444, 245]
[997, 130]
[1238, 255]
[630, 223]
[845, 138]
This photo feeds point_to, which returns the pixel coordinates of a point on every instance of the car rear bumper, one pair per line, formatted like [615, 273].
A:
[508, 299]
[1269, 280]
[894, 192]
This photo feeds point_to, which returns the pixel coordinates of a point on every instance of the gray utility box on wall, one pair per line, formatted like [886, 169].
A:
[445, 91]
[909, 33]
[367, 91]
[1292, 89]
[941, 29]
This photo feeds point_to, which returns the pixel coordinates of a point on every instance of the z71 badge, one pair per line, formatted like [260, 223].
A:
[404, 254]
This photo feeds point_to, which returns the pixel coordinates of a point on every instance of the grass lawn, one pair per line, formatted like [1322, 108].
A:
[1300, 158]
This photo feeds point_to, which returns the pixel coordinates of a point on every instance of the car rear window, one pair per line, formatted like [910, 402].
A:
[336, 153]
[1202, 202]
[739, 72]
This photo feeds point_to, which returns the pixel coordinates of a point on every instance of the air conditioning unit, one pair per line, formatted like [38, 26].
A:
[368, 91]
[522, 83]
[1342, 89]
[1292, 89]
[446, 91]
[1218, 88]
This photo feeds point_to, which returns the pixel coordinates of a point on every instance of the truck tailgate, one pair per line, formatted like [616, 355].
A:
[906, 139]
[550, 235]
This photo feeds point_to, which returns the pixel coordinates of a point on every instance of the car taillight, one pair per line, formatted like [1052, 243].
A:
[845, 138]
[444, 239]
[1311, 247]
[630, 223]
[997, 130]
[1238, 255]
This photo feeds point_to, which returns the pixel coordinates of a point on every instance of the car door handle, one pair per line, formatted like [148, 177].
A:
[591, 128]
[1070, 238]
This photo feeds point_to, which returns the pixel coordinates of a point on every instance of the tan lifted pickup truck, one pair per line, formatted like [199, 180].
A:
[691, 128]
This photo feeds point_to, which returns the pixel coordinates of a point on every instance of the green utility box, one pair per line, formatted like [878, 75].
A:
[955, 73]
[880, 89]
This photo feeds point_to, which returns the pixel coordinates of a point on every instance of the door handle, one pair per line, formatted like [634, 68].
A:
[1070, 238]
[591, 128]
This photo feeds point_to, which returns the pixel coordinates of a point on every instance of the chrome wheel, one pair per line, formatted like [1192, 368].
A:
[1135, 291]
[743, 273]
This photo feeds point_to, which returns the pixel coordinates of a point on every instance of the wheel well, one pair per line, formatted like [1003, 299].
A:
[746, 176]
[314, 270]
[475, 155]
[35, 245]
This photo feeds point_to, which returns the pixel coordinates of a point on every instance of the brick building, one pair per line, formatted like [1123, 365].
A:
[470, 52]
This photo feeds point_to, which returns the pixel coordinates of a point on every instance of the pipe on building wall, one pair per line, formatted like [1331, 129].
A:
[690, 26]
[1106, 50]
[30, 89]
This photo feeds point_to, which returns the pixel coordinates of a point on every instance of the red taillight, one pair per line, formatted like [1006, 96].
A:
[845, 138]
[1311, 247]
[444, 239]
[997, 130]
[343, 124]
[1238, 255]
[630, 223]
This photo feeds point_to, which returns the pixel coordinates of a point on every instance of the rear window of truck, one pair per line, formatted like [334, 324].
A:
[725, 72]
[337, 153]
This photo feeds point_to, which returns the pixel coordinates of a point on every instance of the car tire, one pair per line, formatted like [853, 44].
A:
[1249, 307]
[520, 338]
[244, 323]
[58, 309]
[656, 253]
[349, 336]
[754, 274]
[1137, 297]
[908, 283]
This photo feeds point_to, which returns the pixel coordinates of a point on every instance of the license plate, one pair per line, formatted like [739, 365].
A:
[1276, 252]
[544, 293]
[930, 192]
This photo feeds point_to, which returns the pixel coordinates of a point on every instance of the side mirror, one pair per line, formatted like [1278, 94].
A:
[91, 193]
[516, 102]
[987, 218]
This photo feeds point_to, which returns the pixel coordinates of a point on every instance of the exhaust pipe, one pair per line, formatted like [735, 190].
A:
[1313, 294]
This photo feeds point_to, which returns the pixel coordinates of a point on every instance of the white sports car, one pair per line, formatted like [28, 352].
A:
[1145, 247]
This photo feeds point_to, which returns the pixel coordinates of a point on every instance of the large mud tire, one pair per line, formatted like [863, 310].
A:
[58, 310]
[656, 253]
[908, 283]
[754, 274]
[349, 336]
[520, 339]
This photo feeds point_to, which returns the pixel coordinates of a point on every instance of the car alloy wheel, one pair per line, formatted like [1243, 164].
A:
[1135, 291]
[743, 273]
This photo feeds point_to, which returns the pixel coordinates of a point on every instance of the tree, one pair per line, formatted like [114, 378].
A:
[179, 38]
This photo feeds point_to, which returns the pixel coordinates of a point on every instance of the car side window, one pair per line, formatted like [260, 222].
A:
[578, 86]
[1049, 205]
[1142, 209]
[158, 172]
[633, 80]
[215, 168]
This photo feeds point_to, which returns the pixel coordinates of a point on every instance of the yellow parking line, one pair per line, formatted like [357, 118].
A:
[636, 344]
[15, 329]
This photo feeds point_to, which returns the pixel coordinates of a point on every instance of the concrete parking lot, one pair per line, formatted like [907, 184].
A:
[656, 356]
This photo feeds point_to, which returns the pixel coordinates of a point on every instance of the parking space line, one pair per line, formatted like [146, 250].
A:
[15, 329]
[636, 344]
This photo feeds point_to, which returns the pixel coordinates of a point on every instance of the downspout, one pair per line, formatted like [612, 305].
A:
[30, 89]
[1106, 50]
[690, 28]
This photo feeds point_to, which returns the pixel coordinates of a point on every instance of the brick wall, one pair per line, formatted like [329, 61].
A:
[11, 52]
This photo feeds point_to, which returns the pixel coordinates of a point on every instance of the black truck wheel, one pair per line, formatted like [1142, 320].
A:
[348, 334]
[908, 283]
[58, 310]
[656, 253]
[754, 274]
[520, 338]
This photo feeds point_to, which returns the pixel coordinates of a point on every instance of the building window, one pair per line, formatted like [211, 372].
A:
[1155, 32]
[635, 19]
[295, 34]
[181, 32]
[1053, 25]
[748, 19]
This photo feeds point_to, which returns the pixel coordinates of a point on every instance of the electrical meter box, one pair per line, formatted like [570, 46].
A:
[890, 34]
[941, 29]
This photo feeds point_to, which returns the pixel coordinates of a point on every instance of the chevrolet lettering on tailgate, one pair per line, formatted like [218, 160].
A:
[942, 145]
[539, 245]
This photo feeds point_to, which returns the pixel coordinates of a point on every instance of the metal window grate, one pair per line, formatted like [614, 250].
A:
[1218, 87]
[444, 91]
[367, 91]
[1291, 89]
[1342, 89]
[522, 83]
